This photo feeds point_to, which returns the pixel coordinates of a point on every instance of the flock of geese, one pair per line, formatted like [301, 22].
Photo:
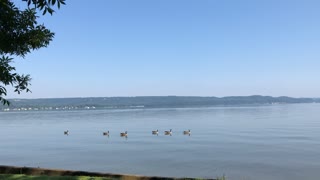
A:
[170, 132]
[125, 134]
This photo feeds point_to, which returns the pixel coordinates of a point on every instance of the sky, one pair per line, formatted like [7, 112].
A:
[106, 48]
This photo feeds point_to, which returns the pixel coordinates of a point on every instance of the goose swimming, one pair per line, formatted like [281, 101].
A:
[187, 132]
[66, 132]
[106, 133]
[124, 134]
[155, 132]
[168, 132]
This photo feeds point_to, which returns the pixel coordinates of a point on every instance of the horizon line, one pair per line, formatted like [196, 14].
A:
[157, 96]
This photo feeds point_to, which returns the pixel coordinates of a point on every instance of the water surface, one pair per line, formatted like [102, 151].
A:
[244, 142]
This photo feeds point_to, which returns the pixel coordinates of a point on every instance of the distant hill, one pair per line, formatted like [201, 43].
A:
[148, 102]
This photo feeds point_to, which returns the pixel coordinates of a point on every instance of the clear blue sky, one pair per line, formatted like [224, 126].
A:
[178, 47]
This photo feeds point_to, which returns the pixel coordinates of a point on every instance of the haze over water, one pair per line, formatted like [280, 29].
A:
[242, 142]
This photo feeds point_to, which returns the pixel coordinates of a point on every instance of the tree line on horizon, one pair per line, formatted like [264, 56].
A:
[158, 101]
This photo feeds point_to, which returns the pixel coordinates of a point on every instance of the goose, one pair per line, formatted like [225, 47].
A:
[168, 132]
[155, 132]
[187, 132]
[106, 133]
[125, 134]
[66, 132]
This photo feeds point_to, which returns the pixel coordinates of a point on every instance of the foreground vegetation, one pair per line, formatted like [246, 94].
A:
[28, 177]
[44, 177]
[31, 173]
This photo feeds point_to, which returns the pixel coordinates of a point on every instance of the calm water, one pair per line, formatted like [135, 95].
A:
[251, 142]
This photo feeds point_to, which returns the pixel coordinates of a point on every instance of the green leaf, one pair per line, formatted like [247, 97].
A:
[45, 11]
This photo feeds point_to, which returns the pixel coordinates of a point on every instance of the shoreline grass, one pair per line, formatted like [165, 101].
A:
[44, 177]
[32, 173]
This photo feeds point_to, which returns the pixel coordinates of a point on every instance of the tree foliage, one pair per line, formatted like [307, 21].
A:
[20, 34]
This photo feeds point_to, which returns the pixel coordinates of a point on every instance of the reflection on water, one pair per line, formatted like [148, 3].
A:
[249, 142]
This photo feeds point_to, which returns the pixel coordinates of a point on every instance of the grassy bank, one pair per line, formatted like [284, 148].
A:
[30, 173]
[29, 177]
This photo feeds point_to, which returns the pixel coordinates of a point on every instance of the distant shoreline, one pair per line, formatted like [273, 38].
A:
[59, 172]
[142, 102]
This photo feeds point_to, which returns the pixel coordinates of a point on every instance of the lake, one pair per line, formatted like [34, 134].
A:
[240, 142]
